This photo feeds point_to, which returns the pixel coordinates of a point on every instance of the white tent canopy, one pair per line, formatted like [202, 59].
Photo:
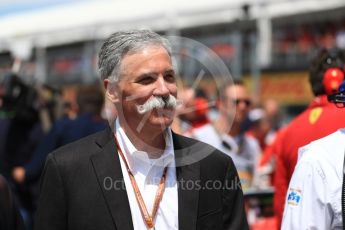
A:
[83, 20]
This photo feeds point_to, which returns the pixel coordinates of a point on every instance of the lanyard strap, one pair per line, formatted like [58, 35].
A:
[149, 219]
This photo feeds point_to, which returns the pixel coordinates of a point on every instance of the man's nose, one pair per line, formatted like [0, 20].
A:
[161, 88]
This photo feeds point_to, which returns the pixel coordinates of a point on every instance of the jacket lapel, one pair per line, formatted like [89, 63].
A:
[186, 174]
[107, 167]
[108, 171]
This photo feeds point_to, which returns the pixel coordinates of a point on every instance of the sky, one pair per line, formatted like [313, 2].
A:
[8, 7]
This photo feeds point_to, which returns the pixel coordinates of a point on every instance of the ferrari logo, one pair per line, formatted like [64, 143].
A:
[314, 115]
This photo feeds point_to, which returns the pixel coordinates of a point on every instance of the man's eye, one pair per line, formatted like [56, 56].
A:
[146, 80]
[170, 78]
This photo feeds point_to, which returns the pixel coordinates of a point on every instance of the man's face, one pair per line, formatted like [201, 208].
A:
[186, 109]
[237, 103]
[144, 75]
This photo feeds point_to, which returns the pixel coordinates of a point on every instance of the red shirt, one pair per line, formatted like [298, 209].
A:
[318, 120]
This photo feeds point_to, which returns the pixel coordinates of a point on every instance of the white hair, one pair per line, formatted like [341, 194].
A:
[123, 42]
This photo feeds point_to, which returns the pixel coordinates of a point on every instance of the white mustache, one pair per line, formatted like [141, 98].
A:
[157, 102]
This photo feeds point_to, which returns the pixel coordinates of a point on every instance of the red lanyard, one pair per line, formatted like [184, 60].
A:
[149, 219]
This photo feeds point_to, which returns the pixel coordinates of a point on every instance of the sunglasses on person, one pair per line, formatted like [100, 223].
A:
[247, 102]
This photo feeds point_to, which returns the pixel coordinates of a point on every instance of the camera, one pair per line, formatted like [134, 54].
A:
[18, 98]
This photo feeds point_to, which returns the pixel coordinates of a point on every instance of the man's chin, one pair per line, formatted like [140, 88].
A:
[163, 113]
[162, 122]
[158, 118]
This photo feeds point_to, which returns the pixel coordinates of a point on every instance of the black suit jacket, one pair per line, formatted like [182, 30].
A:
[82, 188]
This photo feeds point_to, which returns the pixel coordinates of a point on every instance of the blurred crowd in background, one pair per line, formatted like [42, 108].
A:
[36, 119]
[274, 102]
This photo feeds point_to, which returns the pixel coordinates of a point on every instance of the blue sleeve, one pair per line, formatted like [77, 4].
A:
[50, 142]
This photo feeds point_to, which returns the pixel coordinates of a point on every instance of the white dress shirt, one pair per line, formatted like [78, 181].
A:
[245, 157]
[147, 173]
[314, 196]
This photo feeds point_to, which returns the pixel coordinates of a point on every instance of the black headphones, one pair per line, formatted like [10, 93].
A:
[328, 71]
[332, 79]
[338, 98]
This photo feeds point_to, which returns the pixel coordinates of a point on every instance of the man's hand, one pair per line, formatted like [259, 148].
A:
[18, 174]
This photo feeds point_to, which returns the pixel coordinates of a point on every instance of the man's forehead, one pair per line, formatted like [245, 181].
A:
[147, 57]
[148, 49]
[236, 91]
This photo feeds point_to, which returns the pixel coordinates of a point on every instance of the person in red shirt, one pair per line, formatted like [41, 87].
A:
[318, 120]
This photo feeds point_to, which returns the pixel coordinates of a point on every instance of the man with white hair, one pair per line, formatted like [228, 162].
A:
[141, 175]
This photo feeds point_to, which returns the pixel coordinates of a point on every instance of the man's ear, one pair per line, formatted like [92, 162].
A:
[110, 91]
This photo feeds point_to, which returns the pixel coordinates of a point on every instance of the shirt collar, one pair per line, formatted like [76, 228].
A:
[138, 161]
